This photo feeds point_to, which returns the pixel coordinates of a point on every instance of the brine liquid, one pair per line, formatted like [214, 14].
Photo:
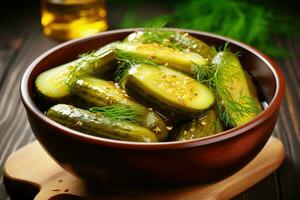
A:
[69, 19]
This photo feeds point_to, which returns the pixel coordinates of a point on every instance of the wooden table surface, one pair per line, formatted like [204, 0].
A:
[21, 41]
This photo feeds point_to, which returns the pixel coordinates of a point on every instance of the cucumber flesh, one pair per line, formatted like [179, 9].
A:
[54, 84]
[173, 39]
[186, 62]
[89, 92]
[98, 125]
[234, 93]
[169, 91]
[51, 84]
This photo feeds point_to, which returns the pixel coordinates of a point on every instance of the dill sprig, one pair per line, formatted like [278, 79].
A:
[119, 112]
[203, 72]
[231, 110]
[153, 32]
[125, 61]
[84, 65]
[88, 64]
[165, 37]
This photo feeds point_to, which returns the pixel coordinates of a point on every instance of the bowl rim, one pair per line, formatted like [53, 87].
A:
[263, 116]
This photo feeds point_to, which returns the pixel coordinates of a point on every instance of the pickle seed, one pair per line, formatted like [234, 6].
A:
[157, 130]
[185, 132]
[203, 123]
[79, 123]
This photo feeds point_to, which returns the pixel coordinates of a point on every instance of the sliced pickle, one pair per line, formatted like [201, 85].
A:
[168, 91]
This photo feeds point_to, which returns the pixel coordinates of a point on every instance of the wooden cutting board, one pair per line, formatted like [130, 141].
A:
[32, 165]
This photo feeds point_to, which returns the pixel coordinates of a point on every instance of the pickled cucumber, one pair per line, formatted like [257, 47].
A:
[98, 125]
[54, 84]
[173, 39]
[88, 92]
[171, 92]
[204, 126]
[186, 62]
[237, 104]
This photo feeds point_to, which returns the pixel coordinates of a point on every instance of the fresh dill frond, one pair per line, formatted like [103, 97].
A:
[203, 73]
[224, 47]
[126, 60]
[119, 112]
[121, 73]
[231, 110]
[214, 50]
[158, 36]
[86, 64]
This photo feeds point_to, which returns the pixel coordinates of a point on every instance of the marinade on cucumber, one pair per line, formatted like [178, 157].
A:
[157, 85]
[171, 92]
[54, 84]
[91, 92]
[186, 62]
[173, 39]
[237, 100]
[99, 125]
[207, 125]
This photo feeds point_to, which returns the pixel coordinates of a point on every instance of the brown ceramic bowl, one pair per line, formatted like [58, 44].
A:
[107, 161]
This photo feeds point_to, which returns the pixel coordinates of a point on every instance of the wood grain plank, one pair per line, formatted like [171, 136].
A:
[46, 174]
[287, 128]
[14, 127]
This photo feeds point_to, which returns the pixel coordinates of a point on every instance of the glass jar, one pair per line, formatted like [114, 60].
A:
[69, 19]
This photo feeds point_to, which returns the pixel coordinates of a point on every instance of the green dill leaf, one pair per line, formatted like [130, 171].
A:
[231, 110]
[87, 64]
[203, 72]
[158, 36]
[119, 112]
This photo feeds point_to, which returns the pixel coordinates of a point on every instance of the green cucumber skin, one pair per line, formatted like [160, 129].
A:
[89, 92]
[95, 124]
[135, 88]
[231, 71]
[219, 125]
[71, 73]
[253, 91]
[105, 61]
[182, 41]
[202, 127]
[185, 62]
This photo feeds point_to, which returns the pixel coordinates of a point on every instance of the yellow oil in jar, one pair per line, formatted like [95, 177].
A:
[69, 19]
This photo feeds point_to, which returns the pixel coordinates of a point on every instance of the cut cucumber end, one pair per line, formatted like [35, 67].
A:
[52, 83]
